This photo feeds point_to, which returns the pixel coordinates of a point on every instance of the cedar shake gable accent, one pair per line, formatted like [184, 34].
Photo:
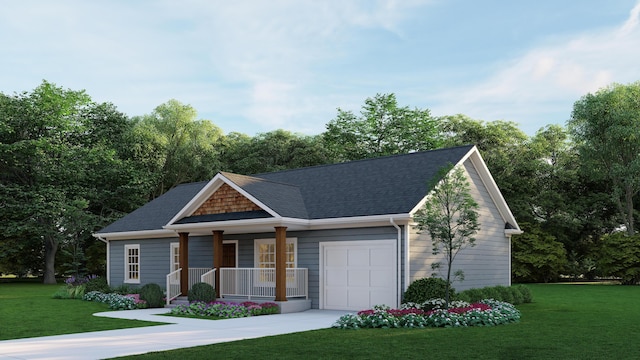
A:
[226, 200]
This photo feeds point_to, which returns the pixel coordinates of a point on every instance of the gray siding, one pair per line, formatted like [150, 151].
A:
[487, 263]
[155, 253]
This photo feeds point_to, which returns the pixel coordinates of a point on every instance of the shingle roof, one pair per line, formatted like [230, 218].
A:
[385, 185]
[158, 212]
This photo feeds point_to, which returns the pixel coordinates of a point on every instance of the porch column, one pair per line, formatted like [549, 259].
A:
[217, 258]
[184, 262]
[281, 263]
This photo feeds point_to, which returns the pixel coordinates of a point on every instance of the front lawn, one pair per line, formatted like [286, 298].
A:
[563, 322]
[28, 310]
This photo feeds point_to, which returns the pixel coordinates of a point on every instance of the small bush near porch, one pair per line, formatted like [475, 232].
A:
[224, 310]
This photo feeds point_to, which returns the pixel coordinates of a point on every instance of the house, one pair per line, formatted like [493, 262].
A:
[335, 236]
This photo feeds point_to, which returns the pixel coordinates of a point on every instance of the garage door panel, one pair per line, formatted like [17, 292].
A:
[358, 278]
[335, 277]
[335, 258]
[336, 297]
[379, 256]
[384, 278]
[358, 257]
[358, 274]
[358, 299]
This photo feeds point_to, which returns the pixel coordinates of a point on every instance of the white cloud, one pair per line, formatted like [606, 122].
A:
[554, 75]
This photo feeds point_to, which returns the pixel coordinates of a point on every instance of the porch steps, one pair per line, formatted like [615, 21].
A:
[180, 300]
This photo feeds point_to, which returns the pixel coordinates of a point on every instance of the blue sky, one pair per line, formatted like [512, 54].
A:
[255, 66]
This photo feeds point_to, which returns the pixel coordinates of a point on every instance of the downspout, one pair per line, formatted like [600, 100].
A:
[399, 260]
[108, 269]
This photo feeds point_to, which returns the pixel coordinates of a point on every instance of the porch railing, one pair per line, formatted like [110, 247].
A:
[173, 285]
[195, 275]
[260, 283]
[209, 277]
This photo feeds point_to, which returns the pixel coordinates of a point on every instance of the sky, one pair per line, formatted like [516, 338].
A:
[255, 66]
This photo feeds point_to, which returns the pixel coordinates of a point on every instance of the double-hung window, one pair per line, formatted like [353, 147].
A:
[132, 263]
[265, 257]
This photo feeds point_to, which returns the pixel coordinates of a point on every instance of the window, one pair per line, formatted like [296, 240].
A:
[132, 264]
[174, 262]
[265, 258]
[265, 253]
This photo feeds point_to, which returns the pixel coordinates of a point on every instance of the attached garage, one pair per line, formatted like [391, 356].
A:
[356, 275]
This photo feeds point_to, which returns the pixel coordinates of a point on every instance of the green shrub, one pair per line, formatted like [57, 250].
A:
[425, 289]
[515, 295]
[70, 292]
[525, 292]
[125, 289]
[97, 284]
[202, 292]
[153, 295]
[471, 295]
[506, 294]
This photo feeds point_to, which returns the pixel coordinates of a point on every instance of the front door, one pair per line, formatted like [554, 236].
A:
[229, 255]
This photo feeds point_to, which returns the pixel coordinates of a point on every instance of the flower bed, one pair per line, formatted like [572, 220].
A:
[227, 310]
[116, 301]
[484, 313]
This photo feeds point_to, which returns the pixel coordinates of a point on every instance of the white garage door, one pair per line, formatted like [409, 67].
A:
[356, 275]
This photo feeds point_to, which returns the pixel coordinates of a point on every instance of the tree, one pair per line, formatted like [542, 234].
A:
[175, 148]
[619, 255]
[606, 128]
[536, 255]
[382, 128]
[63, 173]
[273, 151]
[450, 216]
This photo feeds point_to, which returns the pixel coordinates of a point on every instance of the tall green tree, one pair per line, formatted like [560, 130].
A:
[273, 151]
[382, 128]
[57, 163]
[174, 147]
[606, 128]
[450, 216]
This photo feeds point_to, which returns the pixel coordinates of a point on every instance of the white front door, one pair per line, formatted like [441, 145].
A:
[356, 275]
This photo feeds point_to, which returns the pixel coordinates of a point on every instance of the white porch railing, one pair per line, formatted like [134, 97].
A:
[209, 277]
[195, 275]
[173, 285]
[256, 282]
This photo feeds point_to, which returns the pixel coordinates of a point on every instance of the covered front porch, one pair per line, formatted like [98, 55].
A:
[277, 282]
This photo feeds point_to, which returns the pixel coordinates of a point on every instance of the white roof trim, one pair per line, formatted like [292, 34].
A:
[209, 190]
[142, 234]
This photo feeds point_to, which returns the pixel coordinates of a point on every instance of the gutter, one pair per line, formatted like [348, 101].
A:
[108, 269]
[399, 260]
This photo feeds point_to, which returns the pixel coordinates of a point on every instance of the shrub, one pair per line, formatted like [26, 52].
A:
[425, 289]
[70, 292]
[97, 284]
[202, 292]
[125, 289]
[525, 292]
[515, 295]
[153, 295]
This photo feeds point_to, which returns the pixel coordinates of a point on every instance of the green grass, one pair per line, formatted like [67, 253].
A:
[27, 310]
[563, 322]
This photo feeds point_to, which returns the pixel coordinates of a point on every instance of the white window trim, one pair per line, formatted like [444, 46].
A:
[127, 279]
[173, 265]
[258, 242]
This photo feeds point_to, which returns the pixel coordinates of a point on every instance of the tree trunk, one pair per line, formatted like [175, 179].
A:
[50, 249]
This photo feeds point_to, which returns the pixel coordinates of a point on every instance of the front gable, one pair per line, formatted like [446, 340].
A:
[226, 200]
[221, 196]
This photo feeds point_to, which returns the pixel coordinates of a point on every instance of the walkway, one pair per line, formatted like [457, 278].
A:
[183, 332]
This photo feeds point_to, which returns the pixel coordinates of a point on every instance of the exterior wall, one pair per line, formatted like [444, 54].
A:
[155, 253]
[486, 264]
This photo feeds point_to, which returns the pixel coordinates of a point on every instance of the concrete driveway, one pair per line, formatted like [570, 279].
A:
[181, 333]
